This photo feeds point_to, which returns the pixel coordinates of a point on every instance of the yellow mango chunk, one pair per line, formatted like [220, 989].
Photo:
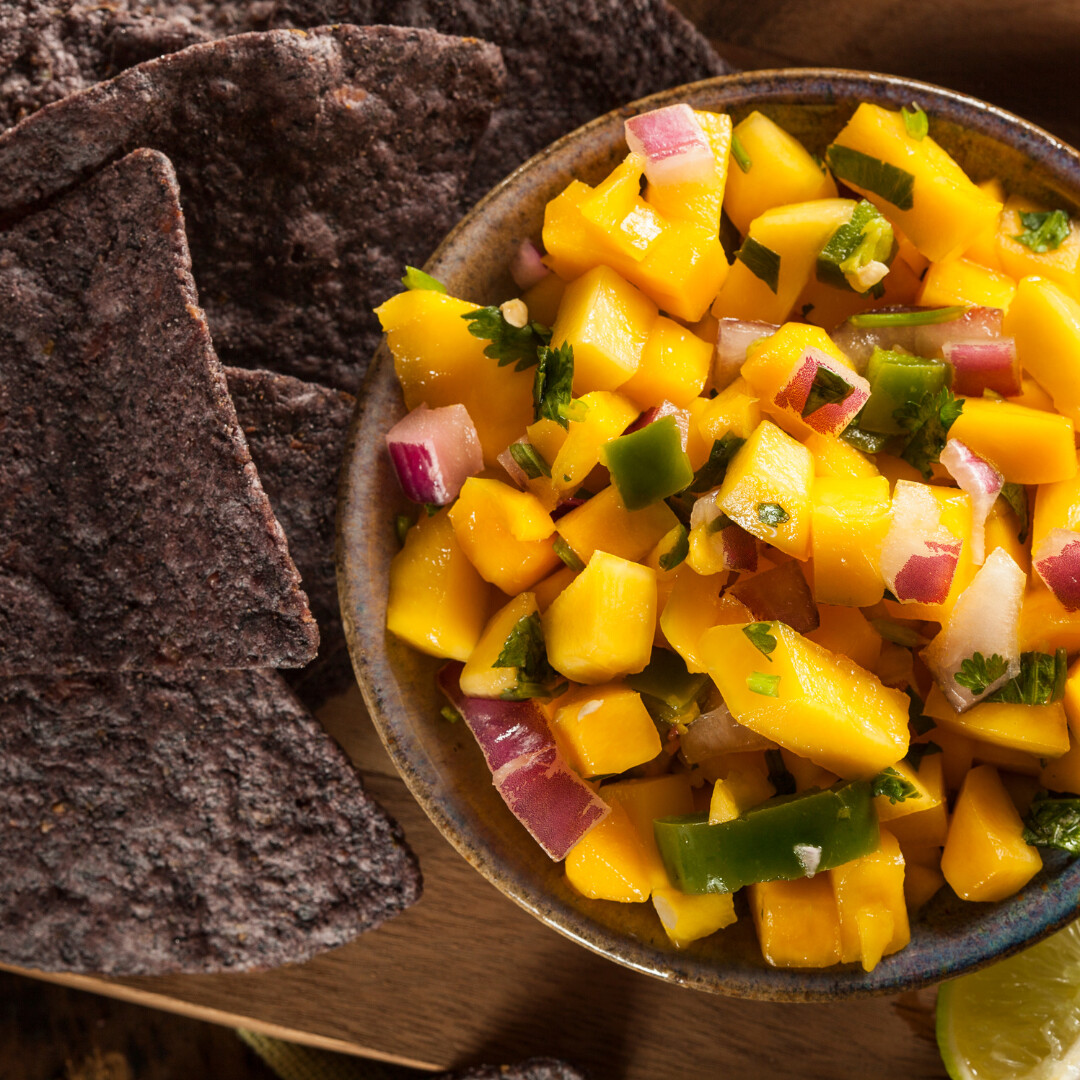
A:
[1002, 530]
[794, 233]
[807, 774]
[607, 321]
[1005, 758]
[739, 790]
[505, 533]
[985, 856]
[570, 250]
[870, 902]
[797, 922]
[616, 215]
[1045, 321]
[603, 523]
[544, 298]
[846, 630]
[438, 602]
[1062, 265]
[983, 249]
[609, 862]
[687, 918]
[1063, 773]
[921, 884]
[695, 605]
[928, 793]
[923, 825]
[605, 729]
[781, 172]
[1028, 446]
[646, 800]
[947, 211]
[1045, 624]
[1057, 506]
[1035, 729]
[545, 591]
[480, 677]
[834, 457]
[825, 707]
[601, 625]
[439, 362]
[767, 490]
[698, 201]
[849, 521]
[607, 416]
[697, 446]
[735, 409]
[674, 366]
[961, 281]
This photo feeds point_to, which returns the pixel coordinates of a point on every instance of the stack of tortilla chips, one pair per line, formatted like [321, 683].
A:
[183, 185]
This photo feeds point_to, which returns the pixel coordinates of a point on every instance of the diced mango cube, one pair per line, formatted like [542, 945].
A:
[985, 856]
[1046, 625]
[609, 862]
[928, 793]
[603, 523]
[505, 533]
[921, 884]
[922, 822]
[825, 707]
[570, 248]
[1057, 506]
[480, 677]
[688, 918]
[1063, 773]
[616, 215]
[960, 281]
[983, 249]
[946, 210]
[739, 790]
[781, 172]
[807, 775]
[767, 490]
[545, 591]
[1061, 265]
[602, 624]
[544, 298]
[438, 602]
[849, 522]
[674, 366]
[694, 605]
[1002, 529]
[605, 729]
[847, 630]
[797, 922]
[834, 457]
[607, 416]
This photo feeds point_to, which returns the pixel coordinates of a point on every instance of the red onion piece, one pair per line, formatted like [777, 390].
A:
[676, 148]
[919, 555]
[1056, 559]
[733, 338]
[513, 469]
[830, 419]
[781, 594]
[985, 619]
[658, 412]
[718, 732]
[434, 451]
[527, 267]
[984, 365]
[981, 481]
[556, 806]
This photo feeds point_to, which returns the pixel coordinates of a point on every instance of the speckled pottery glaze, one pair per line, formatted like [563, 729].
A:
[441, 763]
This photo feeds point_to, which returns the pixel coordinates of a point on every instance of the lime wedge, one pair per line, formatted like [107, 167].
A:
[1018, 1019]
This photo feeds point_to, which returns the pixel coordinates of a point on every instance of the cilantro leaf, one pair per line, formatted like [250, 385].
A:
[977, 672]
[738, 152]
[678, 550]
[893, 786]
[779, 775]
[1045, 231]
[915, 121]
[524, 649]
[1016, 496]
[917, 751]
[712, 473]
[928, 422]
[762, 262]
[921, 723]
[868, 442]
[760, 638]
[417, 279]
[1054, 823]
[828, 388]
[509, 344]
[770, 513]
[553, 383]
[1041, 680]
[529, 460]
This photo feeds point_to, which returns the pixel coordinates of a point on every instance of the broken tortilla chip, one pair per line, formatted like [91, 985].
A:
[135, 533]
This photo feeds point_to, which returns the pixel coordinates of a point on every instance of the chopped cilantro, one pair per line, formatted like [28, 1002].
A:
[760, 638]
[1041, 680]
[927, 422]
[679, 549]
[417, 279]
[1045, 231]
[762, 262]
[524, 649]
[402, 524]
[770, 513]
[977, 672]
[529, 460]
[738, 152]
[893, 786]
[1016, 496]
[918, 751]
[711, 474]
[508, 344]
[896, 186]
[868, 442]
[915, 121]
[924, 317]
[919, 722]
[766, 685]
[779, 774]
[828, 388]
[1054, 823]
[553, 384]
[567, 554]
[450, 714]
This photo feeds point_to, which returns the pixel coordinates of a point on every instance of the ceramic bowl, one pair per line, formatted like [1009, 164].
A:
[441, 763]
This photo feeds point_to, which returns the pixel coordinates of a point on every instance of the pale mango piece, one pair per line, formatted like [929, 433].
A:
[846, 630]
[609, 862]
[921, 884]
[983, 249]
[698, 447]
[834, 457]
[545, 591]
[1003, 530]
[604, 524]
[695, 605]
[1057, 506]
[797, 922]
[807, 774]
[674, 366]
[849, 522]
[1033, 395]
[947, 211]
[781, 172]
[602, 624]
[544, 298]
[687, 918]
[735, 409]
[1062, 265]
[604, 730]
[438, 601]
[1035, 729]
[985, 857]
[607, 416]
[616, 215]
[1006, 758]
[961, 281]
[480, 677]
[1063, 773]
[767, 490]
[740, 790]
[825, 707]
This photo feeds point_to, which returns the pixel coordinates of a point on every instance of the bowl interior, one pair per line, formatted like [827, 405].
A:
[441, 763]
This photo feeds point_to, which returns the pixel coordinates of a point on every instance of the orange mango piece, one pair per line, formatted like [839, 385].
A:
[609, 862]
[961, 281]
[480, 677]
[603, 523]
[674, 366]
[605, 729]
[797, 922]
[849, 521]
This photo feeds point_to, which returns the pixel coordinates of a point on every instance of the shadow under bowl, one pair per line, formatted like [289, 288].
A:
[441, 763]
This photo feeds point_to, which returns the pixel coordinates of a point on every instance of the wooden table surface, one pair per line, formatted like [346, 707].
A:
[466, 976]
